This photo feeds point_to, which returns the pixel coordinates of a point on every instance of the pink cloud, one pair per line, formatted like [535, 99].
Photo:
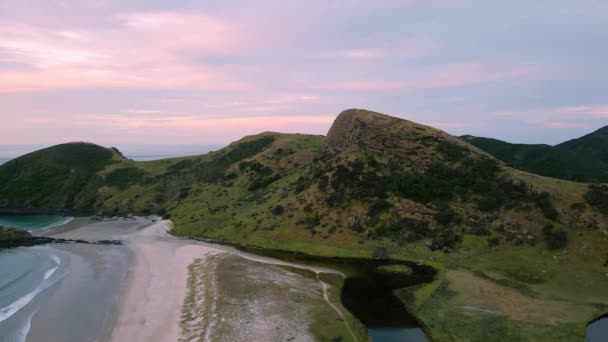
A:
[565, 125]
[143, 50]
[454, 75]
[362, 85]
[407, 48]
[557, 115]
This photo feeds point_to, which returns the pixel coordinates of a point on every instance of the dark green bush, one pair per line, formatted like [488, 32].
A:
[378, 206]
[445, 239]
[555, 237]
[215, 168]
[262, 182]
[451, 151]
[597, 197]
[445, 216]
[380, 253]
[278, 210]
[123, 177]
[546, 206]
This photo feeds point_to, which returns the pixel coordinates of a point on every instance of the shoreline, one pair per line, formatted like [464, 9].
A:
[155, 289]
[149, 301]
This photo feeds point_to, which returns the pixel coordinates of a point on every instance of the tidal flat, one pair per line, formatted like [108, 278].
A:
[158, 287]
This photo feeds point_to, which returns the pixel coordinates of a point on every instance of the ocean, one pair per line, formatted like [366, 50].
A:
[131, 151]
[25, 274]
[45, 289]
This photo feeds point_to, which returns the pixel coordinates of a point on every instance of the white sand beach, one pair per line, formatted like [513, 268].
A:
[156, 288]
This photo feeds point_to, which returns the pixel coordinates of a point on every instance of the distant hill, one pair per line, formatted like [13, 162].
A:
[59, 177]
[593, 145]
[584, 159]
[376, 187]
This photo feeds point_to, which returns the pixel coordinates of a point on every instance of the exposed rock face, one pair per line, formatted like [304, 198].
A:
[357, 130]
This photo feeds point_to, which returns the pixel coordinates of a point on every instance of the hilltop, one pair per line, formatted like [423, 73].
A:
[584, 159]
[59, 177]
[594, 145]
[508, 245]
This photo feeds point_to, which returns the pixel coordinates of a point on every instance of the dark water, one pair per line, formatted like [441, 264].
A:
[397, 335]
[598, 331]
[368, 293]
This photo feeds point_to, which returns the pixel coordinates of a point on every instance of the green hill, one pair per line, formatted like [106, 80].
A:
[59, 177]
[518, 255]
[594, 145]
[584, 159]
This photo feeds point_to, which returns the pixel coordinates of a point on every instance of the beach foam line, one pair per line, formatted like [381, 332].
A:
[50, 272]
[21, 334]
[65, 221]
[9, 310]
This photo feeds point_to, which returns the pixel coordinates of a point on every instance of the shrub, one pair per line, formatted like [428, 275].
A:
[451, 151]
[546, 206]
[378, 206]
[380, 253]
[404, 230]
[278, 210]
[445, 216]
[123, 177]
[491, 202]
[597, 197]
[555, 237]
[183, 192]
[215, 168]
[444, 239]
[262, 182]
[323, 182]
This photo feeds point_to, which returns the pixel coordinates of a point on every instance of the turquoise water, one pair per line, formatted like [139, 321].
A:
[598, 331]
[33, 223]
[25, 274]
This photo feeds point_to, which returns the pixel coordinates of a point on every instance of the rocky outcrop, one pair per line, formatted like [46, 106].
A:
[409, 143]
[12, 238]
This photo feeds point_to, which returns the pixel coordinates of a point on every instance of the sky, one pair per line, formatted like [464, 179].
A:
[210, 72]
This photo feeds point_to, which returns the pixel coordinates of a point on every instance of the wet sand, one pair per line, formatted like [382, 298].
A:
[82, 305]
[156, 287]
[149, 289]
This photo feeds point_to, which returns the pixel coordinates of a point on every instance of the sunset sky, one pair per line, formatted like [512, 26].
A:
[206, 72]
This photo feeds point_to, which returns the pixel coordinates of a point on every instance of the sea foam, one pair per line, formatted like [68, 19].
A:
[9, 310]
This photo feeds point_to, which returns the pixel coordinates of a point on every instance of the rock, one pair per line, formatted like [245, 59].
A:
[13, 238]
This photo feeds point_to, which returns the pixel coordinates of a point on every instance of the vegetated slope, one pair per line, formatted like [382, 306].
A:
[594, 145]
[584, 159]
[375, 178]
[58, 177]
[507, 243]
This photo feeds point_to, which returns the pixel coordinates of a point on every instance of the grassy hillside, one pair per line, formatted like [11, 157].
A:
[62, 176]
[507, 244]
[584, 159]
[594, 145]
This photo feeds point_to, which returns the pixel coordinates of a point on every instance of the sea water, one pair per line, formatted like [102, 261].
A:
[26, 273]
[34, 223]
